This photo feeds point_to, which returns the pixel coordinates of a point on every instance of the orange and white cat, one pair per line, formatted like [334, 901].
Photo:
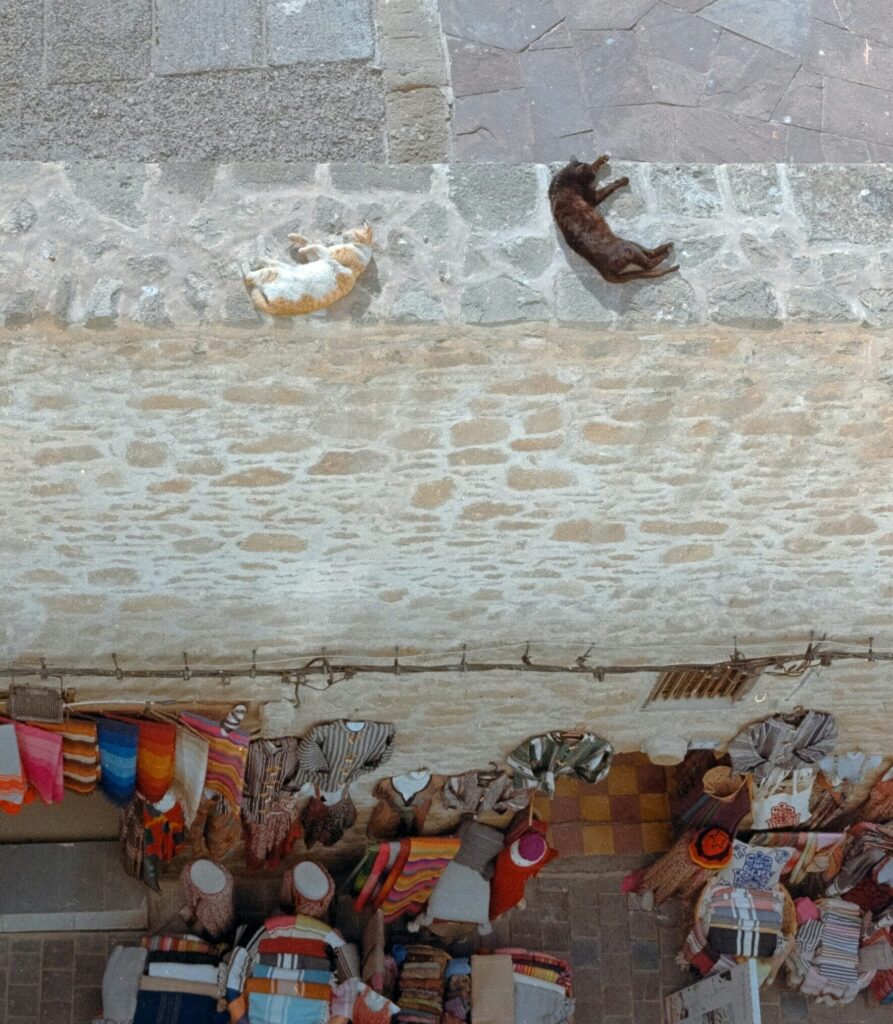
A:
[327, 274]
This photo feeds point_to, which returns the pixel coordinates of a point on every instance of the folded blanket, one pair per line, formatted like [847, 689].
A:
[12, 777]
[41, 754]
[272, 1009]
[118, 746]
[120, 983]
[185, 972]
[80, 753]
[149, 983]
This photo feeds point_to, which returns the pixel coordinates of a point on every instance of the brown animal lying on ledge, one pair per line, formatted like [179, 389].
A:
[574, 198]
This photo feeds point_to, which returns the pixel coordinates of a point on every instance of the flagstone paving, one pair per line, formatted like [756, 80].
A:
[800, 81]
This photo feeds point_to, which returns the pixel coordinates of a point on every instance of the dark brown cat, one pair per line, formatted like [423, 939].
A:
[574, 197]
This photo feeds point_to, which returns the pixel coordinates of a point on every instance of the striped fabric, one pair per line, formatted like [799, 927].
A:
[272, 767]
[267, 1009]
[12, 778]
[41, 754]
[80, 753]
[227, 757]
[283, 987]
[837, 956]
[190, 768]
[320, 976]
[176, 943]
[118, 744]
[411, 881]
[315, 948]
[332, 755]
[155, 759]
[294, 961]
[783, 741]
[538, 761]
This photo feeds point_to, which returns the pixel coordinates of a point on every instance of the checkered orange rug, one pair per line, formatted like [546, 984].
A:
[628, 812]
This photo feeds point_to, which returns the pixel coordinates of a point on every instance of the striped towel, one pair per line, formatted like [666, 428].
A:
[155, 759]
[41, 754]
[12, 778]
[227, 757]
[176, 943]
[190, 769]
[118, 744]
[80, 753]
[421, 862]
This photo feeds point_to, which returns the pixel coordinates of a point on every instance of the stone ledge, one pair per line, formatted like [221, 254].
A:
[101, 243]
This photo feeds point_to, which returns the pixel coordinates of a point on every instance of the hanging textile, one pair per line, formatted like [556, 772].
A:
[813, 852]
[402, 809]
[482, 792]
[216, 829]
[271, 768]
[155, 758]
[541, 759]
[41, 754]
[132, 842]
[419, 865]
[80, 753]
[190, 769]
[165, 829]
[879, 805]
[118, 746]
[787, 742]
[269, 842]
[324, 822]
[12, 778]
[332, 755]
[227, 757]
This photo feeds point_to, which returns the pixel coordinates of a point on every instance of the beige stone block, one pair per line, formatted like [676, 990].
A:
[202, 467]
[174, 403]
[101, 577]
[415, 440]
[535, 384]
[54, 490]
[537, 444]
[481, 510]
[179, 485]
[344, 463]
[259, 477]
[646, 412]
[42, 576]
[477, 457]
[479, 431]
[41, 402]
[847, 526]
[433, 494]
[392, 596]
[586, 531]
[146, 454]
[799, 424]
[75, 604]
[255, 395]
[687, 553]
[273, 542]
[273, 443]
[543, 421]
[683, 529]
[153, 603]
[71, 453]
[609, 433]
[538, 479]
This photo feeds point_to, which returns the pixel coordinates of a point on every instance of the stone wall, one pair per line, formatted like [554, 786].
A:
[96, 244]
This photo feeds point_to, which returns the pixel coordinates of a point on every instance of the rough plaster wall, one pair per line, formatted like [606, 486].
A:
[215, 492]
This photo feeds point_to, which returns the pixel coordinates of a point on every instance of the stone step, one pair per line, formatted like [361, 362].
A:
[94, 244]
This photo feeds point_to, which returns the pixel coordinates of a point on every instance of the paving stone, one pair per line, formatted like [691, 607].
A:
[21, 41]
[639, 132]
[22, 1000]
[491, 202]
[862, 17]
[102, 303]
[744, 303]
[52, 1012]
[531, 256]
[781, 24]
[388, 177]
[878, 303]
[581, 300]
[502, 300]
[833, 50]
[817, 305]
[645, 956]
[557, 38]
[660, 31]
[418, 306]
[115, 188]
[476, 68]
[93, 40]
[756, 190]
[747, 78]
[838, 204]
[150, 309]
[687, 191]
[603, 14]
[509, 24]
[794, 1006]
[614, 71]
[816, 147]
[714, 136]
[857, 111]
[555, 94]
[674, 83]
[206, 35]
[802, 101]
[417, 126]
[493, 126]
[314, 31]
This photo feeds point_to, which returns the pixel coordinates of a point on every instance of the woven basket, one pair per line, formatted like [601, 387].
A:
[34, 704]
[722, 784]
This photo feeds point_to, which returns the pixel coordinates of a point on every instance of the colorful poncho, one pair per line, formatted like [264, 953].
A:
[118, 746]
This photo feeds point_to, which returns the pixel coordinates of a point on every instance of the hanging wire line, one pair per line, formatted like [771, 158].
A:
[336, 669]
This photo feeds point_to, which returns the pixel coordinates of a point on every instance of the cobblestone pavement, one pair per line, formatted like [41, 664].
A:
[686, 80]
[623, 957]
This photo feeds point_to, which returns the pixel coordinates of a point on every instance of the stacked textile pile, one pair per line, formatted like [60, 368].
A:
[543, 989]
[457, 995]
[30, 766]
[825, 963]
[285, 973]
[399, 877]
[178, 982]
[422, 985]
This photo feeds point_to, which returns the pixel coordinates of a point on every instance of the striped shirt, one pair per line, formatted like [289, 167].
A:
[332, 755]
[272, 767]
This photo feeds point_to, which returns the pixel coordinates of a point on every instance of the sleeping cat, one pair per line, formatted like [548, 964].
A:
[574, 196]
[328, 274]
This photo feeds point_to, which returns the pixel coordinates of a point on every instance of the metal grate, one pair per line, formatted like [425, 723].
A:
[727, 681]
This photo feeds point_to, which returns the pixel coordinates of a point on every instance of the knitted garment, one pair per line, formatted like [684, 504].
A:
[41, 754]
[155, 759]
[217, 828]
[165, 831]
[269, 842]
[538, 761]
[80, 753]
[227, 756]
[326, 823]
[711, 848]
[673, 874]
[214, 912]
[118, 746]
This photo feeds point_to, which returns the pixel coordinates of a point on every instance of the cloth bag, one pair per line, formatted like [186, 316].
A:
[781, 800]
[492, 990]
